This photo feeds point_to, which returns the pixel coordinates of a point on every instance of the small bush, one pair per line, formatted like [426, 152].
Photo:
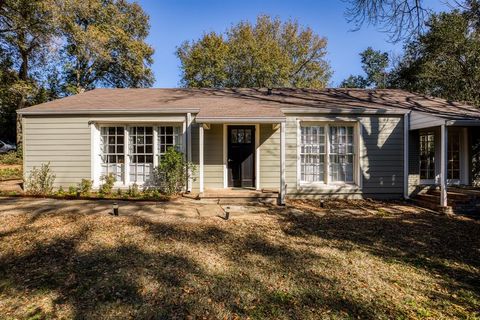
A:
[72, 191]
[60, 192]
[134, 191]
[10, 158]
[107, 187]
[10, 174]
[119, 192]
[40, 181]
[85, 187]
[171, 175]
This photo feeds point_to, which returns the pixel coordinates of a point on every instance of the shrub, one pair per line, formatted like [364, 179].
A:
[10, 158]
[134, 191]
[40, 181]
[85, 187]
[60, 191]
[72, 191]
[119, 192]
[171, 175]
[10, 174]
[107, 187]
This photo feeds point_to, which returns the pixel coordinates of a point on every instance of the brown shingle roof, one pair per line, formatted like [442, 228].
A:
[252, 102]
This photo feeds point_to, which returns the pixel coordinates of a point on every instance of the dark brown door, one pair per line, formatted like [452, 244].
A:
[241, 156]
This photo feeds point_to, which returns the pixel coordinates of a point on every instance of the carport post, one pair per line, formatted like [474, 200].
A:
[282, 163]
[443, 163]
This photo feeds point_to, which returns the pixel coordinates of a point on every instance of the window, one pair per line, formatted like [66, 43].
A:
[341, 154]
[327, 153]
[113, 151]
[427, 155]
[453, 172]
[241, 136]
[141, 153]
[312, 153]
[169, 136]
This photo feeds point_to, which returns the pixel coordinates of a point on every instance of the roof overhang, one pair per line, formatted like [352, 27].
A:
[110, 111]
[240, 119]
[334, 110]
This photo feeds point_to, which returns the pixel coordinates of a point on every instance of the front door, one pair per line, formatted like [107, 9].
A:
[241, 156]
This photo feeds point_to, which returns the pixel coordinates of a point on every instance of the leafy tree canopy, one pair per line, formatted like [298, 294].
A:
[269, 53]
[374, 64]
[445, 61]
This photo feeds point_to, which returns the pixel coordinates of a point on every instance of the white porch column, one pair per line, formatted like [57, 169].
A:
[200, 155]
[443, 164]
[406, 131]
[282, 163]
[189, 150]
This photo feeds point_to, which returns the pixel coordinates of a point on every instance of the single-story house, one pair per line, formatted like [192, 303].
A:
[302, 142]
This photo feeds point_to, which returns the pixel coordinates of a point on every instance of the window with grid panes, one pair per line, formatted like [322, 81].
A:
[312, 153]
[141, 154]
[341, 154]
[427, 155]
[168, 137]
[112, 143]
[453, 156]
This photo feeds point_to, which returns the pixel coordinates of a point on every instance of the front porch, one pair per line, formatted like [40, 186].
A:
[443, 163]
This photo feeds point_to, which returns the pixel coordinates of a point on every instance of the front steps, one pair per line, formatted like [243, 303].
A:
[236, 196]
[459, 201]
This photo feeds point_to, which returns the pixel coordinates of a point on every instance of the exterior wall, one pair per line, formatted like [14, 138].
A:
[65, 142]
[62, 141]
[474, 138]
[380, 147]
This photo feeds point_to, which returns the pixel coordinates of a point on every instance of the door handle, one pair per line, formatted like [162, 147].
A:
[230, 160]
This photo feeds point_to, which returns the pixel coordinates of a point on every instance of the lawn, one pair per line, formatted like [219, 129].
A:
[362, 259]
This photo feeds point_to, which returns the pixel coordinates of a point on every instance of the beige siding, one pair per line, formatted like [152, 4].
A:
[62, 141]
[213, 156]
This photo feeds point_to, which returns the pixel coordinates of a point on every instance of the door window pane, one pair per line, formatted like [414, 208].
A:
[169, 137]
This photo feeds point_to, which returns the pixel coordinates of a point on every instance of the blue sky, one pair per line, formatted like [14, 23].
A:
[172, 22]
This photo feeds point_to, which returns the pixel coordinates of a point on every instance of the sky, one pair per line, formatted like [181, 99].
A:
[174, 21]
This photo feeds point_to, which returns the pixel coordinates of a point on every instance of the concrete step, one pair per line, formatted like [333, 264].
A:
[457, 196]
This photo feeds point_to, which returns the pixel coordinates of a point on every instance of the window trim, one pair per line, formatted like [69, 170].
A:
[96, 129]
[327, 184]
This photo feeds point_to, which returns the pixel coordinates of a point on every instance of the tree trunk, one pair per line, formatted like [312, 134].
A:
[23, 75]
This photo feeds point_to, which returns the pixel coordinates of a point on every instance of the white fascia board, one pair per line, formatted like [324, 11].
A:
[178, 110]
[343, 111]
[240, 120]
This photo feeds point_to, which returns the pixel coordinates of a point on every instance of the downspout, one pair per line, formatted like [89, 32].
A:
[406, 135]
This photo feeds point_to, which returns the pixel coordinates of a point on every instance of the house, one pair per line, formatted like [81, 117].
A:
[346, 143]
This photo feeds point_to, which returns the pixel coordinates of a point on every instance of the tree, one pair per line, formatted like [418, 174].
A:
[444, 62]
[374, 64]
[26, 30]
[267, 54]
[105, 45]
[354, 82]
[403, 20]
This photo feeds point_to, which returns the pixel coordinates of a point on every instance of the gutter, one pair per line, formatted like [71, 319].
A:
[110, 111]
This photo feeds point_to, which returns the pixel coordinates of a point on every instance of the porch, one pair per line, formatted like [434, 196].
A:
[443, 163]
[240, 156]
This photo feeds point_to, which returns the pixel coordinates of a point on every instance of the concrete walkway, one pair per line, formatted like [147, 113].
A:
[181, 208]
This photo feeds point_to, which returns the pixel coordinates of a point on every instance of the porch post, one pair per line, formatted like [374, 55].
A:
[189, 150]
[443, 164]
[282, 163]
[200, 154]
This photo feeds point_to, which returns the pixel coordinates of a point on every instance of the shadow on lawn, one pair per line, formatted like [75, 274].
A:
[446, 246]
[132, 280]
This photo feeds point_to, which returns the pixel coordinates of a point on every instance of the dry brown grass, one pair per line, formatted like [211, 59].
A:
[368, 260]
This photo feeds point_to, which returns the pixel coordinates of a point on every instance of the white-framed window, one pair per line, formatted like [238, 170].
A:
[453, 172]
[132, 151]
[341, 157]
[312, 153]
[327, 153]
[168, 137]
[112, 142]
[427, 155]
[140, 153]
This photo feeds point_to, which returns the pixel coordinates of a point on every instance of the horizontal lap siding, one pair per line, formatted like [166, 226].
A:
[382, 156]
[62, 141]
[213, 156]
[269, 157]
[381, 160]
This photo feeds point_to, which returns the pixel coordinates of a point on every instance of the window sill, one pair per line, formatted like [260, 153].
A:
[329, 187]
